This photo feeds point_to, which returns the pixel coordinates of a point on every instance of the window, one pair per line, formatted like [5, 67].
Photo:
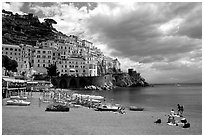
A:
[62, 66]
[6, 48]
[15, 49]
[38, 51]
[48, 61]
[11, 49]
[53, 54]
[19, 49]
[15, 53]
[44, 52]
[38, 60]
[43, 65]
[10, 53]
[38, 65]
[43, 61]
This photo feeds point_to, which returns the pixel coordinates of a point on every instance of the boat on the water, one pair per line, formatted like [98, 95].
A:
[18, 102]
[57, 107]
[134, 108]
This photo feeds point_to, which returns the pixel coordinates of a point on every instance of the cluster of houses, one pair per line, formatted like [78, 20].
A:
[72, 56]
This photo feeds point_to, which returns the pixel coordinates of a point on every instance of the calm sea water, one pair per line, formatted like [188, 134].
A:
[158, 98]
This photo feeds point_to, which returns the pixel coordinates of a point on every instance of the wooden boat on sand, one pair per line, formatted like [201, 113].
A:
[134, 108]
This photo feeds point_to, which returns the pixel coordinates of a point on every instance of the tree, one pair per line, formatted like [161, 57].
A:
[49, 22]
[52, 70]
[10, 65]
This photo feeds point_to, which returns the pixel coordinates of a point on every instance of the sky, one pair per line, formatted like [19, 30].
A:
[161, 40]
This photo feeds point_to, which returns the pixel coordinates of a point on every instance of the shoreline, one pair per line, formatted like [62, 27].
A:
[33, 120]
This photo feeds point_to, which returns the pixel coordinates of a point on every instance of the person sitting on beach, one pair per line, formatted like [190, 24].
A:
[158, 121]
[172, 112]
[184, 123]
[171, 120]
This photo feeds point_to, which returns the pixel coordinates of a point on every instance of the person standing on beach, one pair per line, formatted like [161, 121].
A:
[40, 100]
[179, 109]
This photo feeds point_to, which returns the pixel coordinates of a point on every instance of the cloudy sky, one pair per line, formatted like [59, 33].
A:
[162, 41]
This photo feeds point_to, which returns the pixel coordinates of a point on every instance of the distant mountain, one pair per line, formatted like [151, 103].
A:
[27, 29]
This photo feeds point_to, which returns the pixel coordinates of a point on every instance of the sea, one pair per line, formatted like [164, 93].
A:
[160, 97]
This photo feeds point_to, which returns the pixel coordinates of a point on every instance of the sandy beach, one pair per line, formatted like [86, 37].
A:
[33, 120]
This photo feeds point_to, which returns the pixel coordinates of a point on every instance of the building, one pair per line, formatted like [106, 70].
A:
[87, 44]
[73, 66]
[43, 58]
[14, 52]
[72, 55]
[116, 65]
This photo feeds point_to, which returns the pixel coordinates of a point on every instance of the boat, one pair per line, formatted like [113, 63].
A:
[134, 108]
[74, 105]
[178, 85]
[57, 107]
[107, 108]
[18, 97]
[18, 102]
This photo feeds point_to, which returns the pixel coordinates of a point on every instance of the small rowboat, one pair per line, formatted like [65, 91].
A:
[18, 97]
[18, 102]
[57, 108]
[134, 108]
[107, 108]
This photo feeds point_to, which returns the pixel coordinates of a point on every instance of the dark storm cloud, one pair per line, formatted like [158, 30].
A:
[137, 32]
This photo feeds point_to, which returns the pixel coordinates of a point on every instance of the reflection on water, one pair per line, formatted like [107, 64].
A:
[157, 98]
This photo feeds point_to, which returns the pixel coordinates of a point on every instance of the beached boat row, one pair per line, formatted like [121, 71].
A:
[18, 101]
[61, 100]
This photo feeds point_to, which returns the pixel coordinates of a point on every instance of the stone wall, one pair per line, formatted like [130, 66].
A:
[81, 82]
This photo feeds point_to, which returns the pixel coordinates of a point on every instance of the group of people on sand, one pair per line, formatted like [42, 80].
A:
[171, 118]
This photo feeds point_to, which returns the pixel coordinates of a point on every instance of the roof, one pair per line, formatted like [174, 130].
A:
[7, 45]
[14, 80]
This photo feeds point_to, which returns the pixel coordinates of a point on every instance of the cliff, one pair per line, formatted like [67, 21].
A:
[26, 29]
[126, 80]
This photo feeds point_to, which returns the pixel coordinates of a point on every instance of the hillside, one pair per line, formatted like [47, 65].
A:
[27, 29]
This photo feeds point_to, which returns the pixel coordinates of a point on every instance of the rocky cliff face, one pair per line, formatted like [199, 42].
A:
[125, 80]
[26, 29]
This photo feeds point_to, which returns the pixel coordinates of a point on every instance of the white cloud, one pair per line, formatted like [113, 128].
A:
[13, 6]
